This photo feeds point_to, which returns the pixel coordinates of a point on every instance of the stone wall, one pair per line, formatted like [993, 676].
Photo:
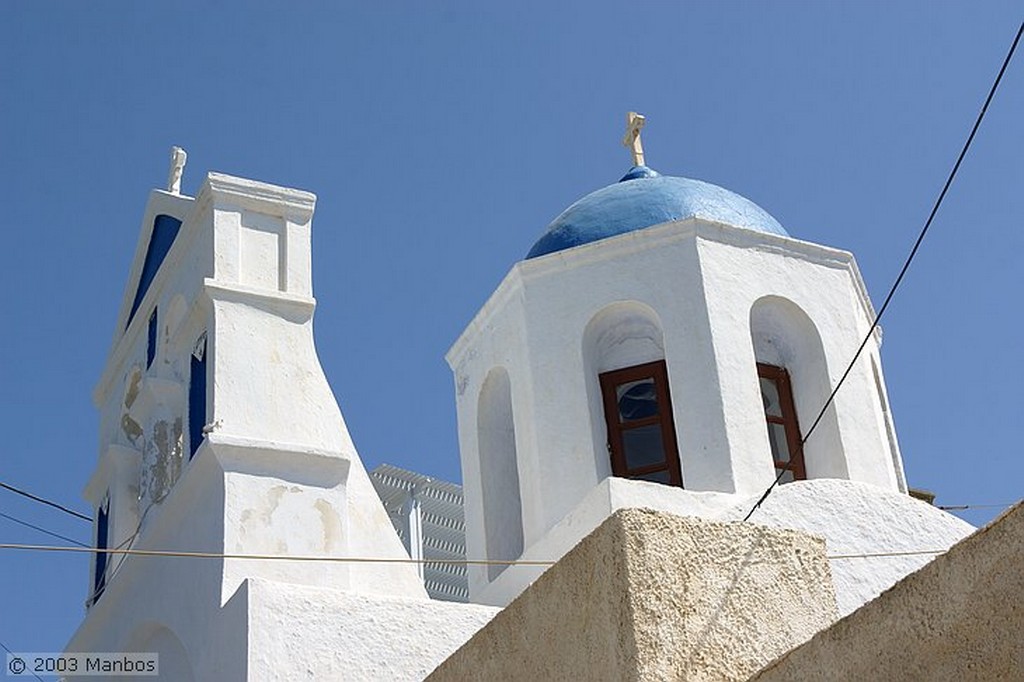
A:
[959, 618]
[651, 596]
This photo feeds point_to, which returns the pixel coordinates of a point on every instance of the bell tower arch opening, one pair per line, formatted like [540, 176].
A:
[793, 374]
[499, 472]
[628, 392]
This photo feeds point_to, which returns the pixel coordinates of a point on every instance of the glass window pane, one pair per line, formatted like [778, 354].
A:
[637, 400]
[656, 476]
[777, 438]
[643, 446]
[786, 477]
[770, 398]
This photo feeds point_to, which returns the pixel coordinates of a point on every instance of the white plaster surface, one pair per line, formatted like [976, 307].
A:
[852, 517]
[709, 299]
[320, 634]
[856, 518]
[238, 275]
[277, 472]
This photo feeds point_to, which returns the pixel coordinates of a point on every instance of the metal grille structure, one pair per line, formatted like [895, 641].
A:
[428, 515]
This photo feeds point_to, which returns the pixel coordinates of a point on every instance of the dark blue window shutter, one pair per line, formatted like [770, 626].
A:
[165, 229]
[151, 340]
[102, 531]
[197, 398]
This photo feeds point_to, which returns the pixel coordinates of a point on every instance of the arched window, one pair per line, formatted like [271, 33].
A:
[631, 406]
[499, 472]
[791, 366]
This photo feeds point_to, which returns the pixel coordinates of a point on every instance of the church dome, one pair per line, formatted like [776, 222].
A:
[642, 198]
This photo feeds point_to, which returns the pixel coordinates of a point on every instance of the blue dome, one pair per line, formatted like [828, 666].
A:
[643, 198]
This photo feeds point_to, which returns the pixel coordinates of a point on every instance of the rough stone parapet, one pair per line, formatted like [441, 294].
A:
[959, 618]
[652, 596]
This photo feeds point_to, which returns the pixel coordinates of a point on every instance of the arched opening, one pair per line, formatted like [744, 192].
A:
[793, 375]
[197, 395]
[630, 402]
[499, 472]
[623, 334]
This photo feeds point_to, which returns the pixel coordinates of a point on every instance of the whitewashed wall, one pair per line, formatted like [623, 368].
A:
[706, 298]
[276, 474]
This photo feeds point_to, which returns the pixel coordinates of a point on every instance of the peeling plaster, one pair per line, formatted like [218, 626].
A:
[333, 537]
[134, 386]
[131, 429]
[162, 459]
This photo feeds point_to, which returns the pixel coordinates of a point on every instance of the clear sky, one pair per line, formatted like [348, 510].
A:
[440, 139]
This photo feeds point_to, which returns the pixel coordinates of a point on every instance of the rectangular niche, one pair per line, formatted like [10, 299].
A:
[261, 251]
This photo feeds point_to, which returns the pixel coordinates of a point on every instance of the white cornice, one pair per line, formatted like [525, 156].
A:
[295, 205]
[654, 237]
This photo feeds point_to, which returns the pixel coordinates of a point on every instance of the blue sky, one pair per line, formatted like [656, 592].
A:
[440, 139]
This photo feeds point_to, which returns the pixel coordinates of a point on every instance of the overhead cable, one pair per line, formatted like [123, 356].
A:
[43, 500]
[903, 270]
[43, 530]
[961, 507]
[366, 560]
[15, 655]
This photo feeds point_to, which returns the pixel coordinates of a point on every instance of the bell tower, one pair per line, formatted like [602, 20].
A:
[664, 342]
[219, 432]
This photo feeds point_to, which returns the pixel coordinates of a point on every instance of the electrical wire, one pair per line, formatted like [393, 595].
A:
[274, 557]
[903, 270]
[369, 560]
[14, 654]
[961, 507]
[43, 530]
[43, 500]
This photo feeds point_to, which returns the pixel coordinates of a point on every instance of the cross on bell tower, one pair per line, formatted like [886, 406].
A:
[634, 124]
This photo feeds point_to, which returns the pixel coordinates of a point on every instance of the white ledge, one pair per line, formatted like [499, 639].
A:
[294, 204]
[280, 301]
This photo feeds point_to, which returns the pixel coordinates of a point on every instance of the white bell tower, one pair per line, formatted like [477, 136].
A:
[668, 338]
[220, 434]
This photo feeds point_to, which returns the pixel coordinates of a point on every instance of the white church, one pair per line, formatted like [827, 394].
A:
[665, 345]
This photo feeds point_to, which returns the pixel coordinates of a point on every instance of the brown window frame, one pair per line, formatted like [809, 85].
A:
[780, 377]
[615, 430]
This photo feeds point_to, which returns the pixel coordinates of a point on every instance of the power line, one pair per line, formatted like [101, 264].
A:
[13, 654]
[43, 530]
[43, 500]
[906, 265]
[961, 507]
[274, 557]
[369, 560]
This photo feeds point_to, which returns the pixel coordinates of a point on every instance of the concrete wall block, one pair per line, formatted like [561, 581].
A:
[958, 618]
[651, 596]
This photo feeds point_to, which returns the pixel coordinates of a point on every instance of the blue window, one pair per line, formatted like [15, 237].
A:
[151, 340]
[102, 532]
[165, 229]
[197, 397]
